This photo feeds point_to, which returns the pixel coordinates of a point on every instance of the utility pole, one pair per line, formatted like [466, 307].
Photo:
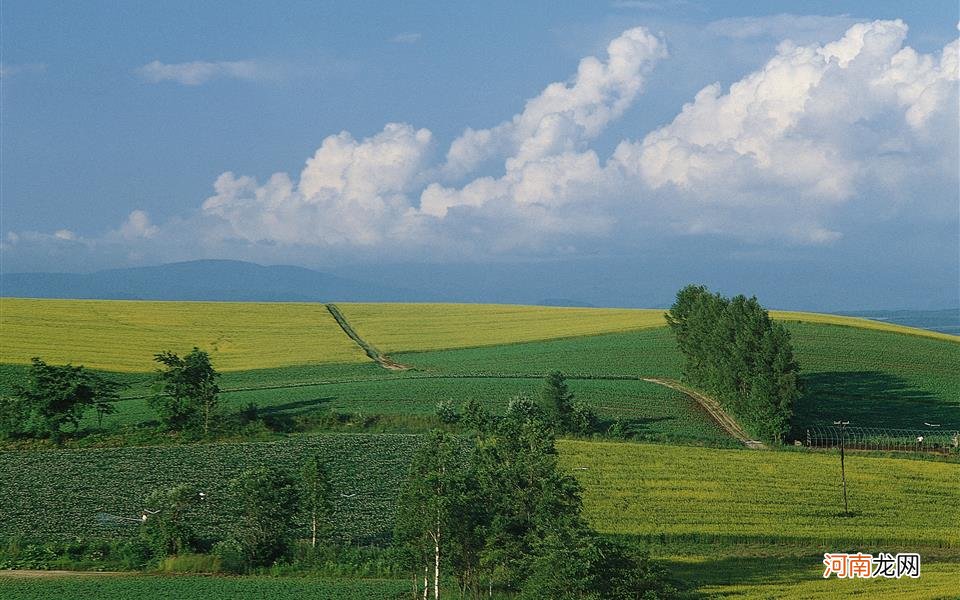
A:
[843, 472]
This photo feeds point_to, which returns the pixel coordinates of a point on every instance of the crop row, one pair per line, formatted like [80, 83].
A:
[210, 588]
[57, 494]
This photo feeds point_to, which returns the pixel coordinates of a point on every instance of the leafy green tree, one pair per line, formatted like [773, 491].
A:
[54, 397]
[166, 520]
[558, 400]
[317, 499]
[188, 388]
[734, 351]
[424, 514]
[267, 505]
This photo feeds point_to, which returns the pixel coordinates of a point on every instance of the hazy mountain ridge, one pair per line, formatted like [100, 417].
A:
[213, 280]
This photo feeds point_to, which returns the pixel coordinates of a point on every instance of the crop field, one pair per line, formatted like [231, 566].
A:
[858, 323]
[115, 335]
[706, 496]
[648, 411]
[124, 587]
[418, 327]
[58, 494]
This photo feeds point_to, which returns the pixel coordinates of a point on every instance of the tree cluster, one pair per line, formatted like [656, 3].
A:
[188, 391]
[53, 400]
[266, 506]
[734, 351]
[499, 514]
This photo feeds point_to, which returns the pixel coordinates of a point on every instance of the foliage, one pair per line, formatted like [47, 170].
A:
[53, 397]
[316, 498]
[558, 400]
[447, 412]
[168, 520]
[188, 391]
[734, 351]
[267, 503]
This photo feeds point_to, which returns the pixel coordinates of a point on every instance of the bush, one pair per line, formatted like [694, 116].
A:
[230, 555]
[190, 563]
[447, 412]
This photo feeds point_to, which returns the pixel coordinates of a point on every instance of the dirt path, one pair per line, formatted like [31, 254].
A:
[375, 355]
[714, 409]
[37, 574]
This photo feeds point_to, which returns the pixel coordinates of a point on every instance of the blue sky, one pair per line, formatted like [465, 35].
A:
[142, 133]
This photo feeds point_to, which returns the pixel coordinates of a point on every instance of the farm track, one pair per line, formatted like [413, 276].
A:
[375, 355]
[714, 409]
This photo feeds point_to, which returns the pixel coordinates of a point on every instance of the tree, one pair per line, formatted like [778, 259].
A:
[558, 400]
[733, 350]
[424, 511]
[317, 498]
[166, 525]
[55, 396]
[188, 388]
[267, 504]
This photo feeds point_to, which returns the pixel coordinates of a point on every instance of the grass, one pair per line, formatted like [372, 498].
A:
[859, 323]
[404, 327]
[123, 336]
[112, 587]
[648, 411]
[779, 498]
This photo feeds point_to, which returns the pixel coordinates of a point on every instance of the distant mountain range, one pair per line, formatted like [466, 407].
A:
[224, 280]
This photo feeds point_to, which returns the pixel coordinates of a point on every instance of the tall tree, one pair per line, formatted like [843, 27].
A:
[166, 520]
[267, 507]
[558, 400]
[424, 512]
[317, 498]
[733, 350]
[188, 388]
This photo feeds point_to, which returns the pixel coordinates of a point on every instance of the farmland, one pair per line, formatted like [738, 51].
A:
[123, 336]
[648, 411]
[116, 481]
[404, 327]
[212, 588]
[776, 498]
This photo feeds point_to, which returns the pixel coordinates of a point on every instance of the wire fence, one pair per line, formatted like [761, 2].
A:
[942, 441]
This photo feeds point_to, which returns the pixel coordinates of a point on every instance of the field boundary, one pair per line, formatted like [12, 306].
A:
[714, 409]
[375, 355]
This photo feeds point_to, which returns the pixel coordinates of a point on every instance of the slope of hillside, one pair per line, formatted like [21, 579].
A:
[117, 335]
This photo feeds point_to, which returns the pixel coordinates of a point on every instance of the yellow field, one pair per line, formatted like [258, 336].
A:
[938, 581]
[746, 495]
[407, 327]
[808, 317]
[124, 335]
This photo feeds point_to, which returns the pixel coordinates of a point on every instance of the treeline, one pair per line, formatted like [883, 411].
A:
[51, 400]
[734, 351]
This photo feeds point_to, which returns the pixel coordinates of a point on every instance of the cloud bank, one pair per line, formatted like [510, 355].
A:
[858, 129]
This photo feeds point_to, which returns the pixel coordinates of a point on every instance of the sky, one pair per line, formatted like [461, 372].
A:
[803, 151]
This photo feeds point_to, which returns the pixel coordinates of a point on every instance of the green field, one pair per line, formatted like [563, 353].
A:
[115, 335]
[648, 411]
[708, 495]
[125, 587]
[117, 480]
